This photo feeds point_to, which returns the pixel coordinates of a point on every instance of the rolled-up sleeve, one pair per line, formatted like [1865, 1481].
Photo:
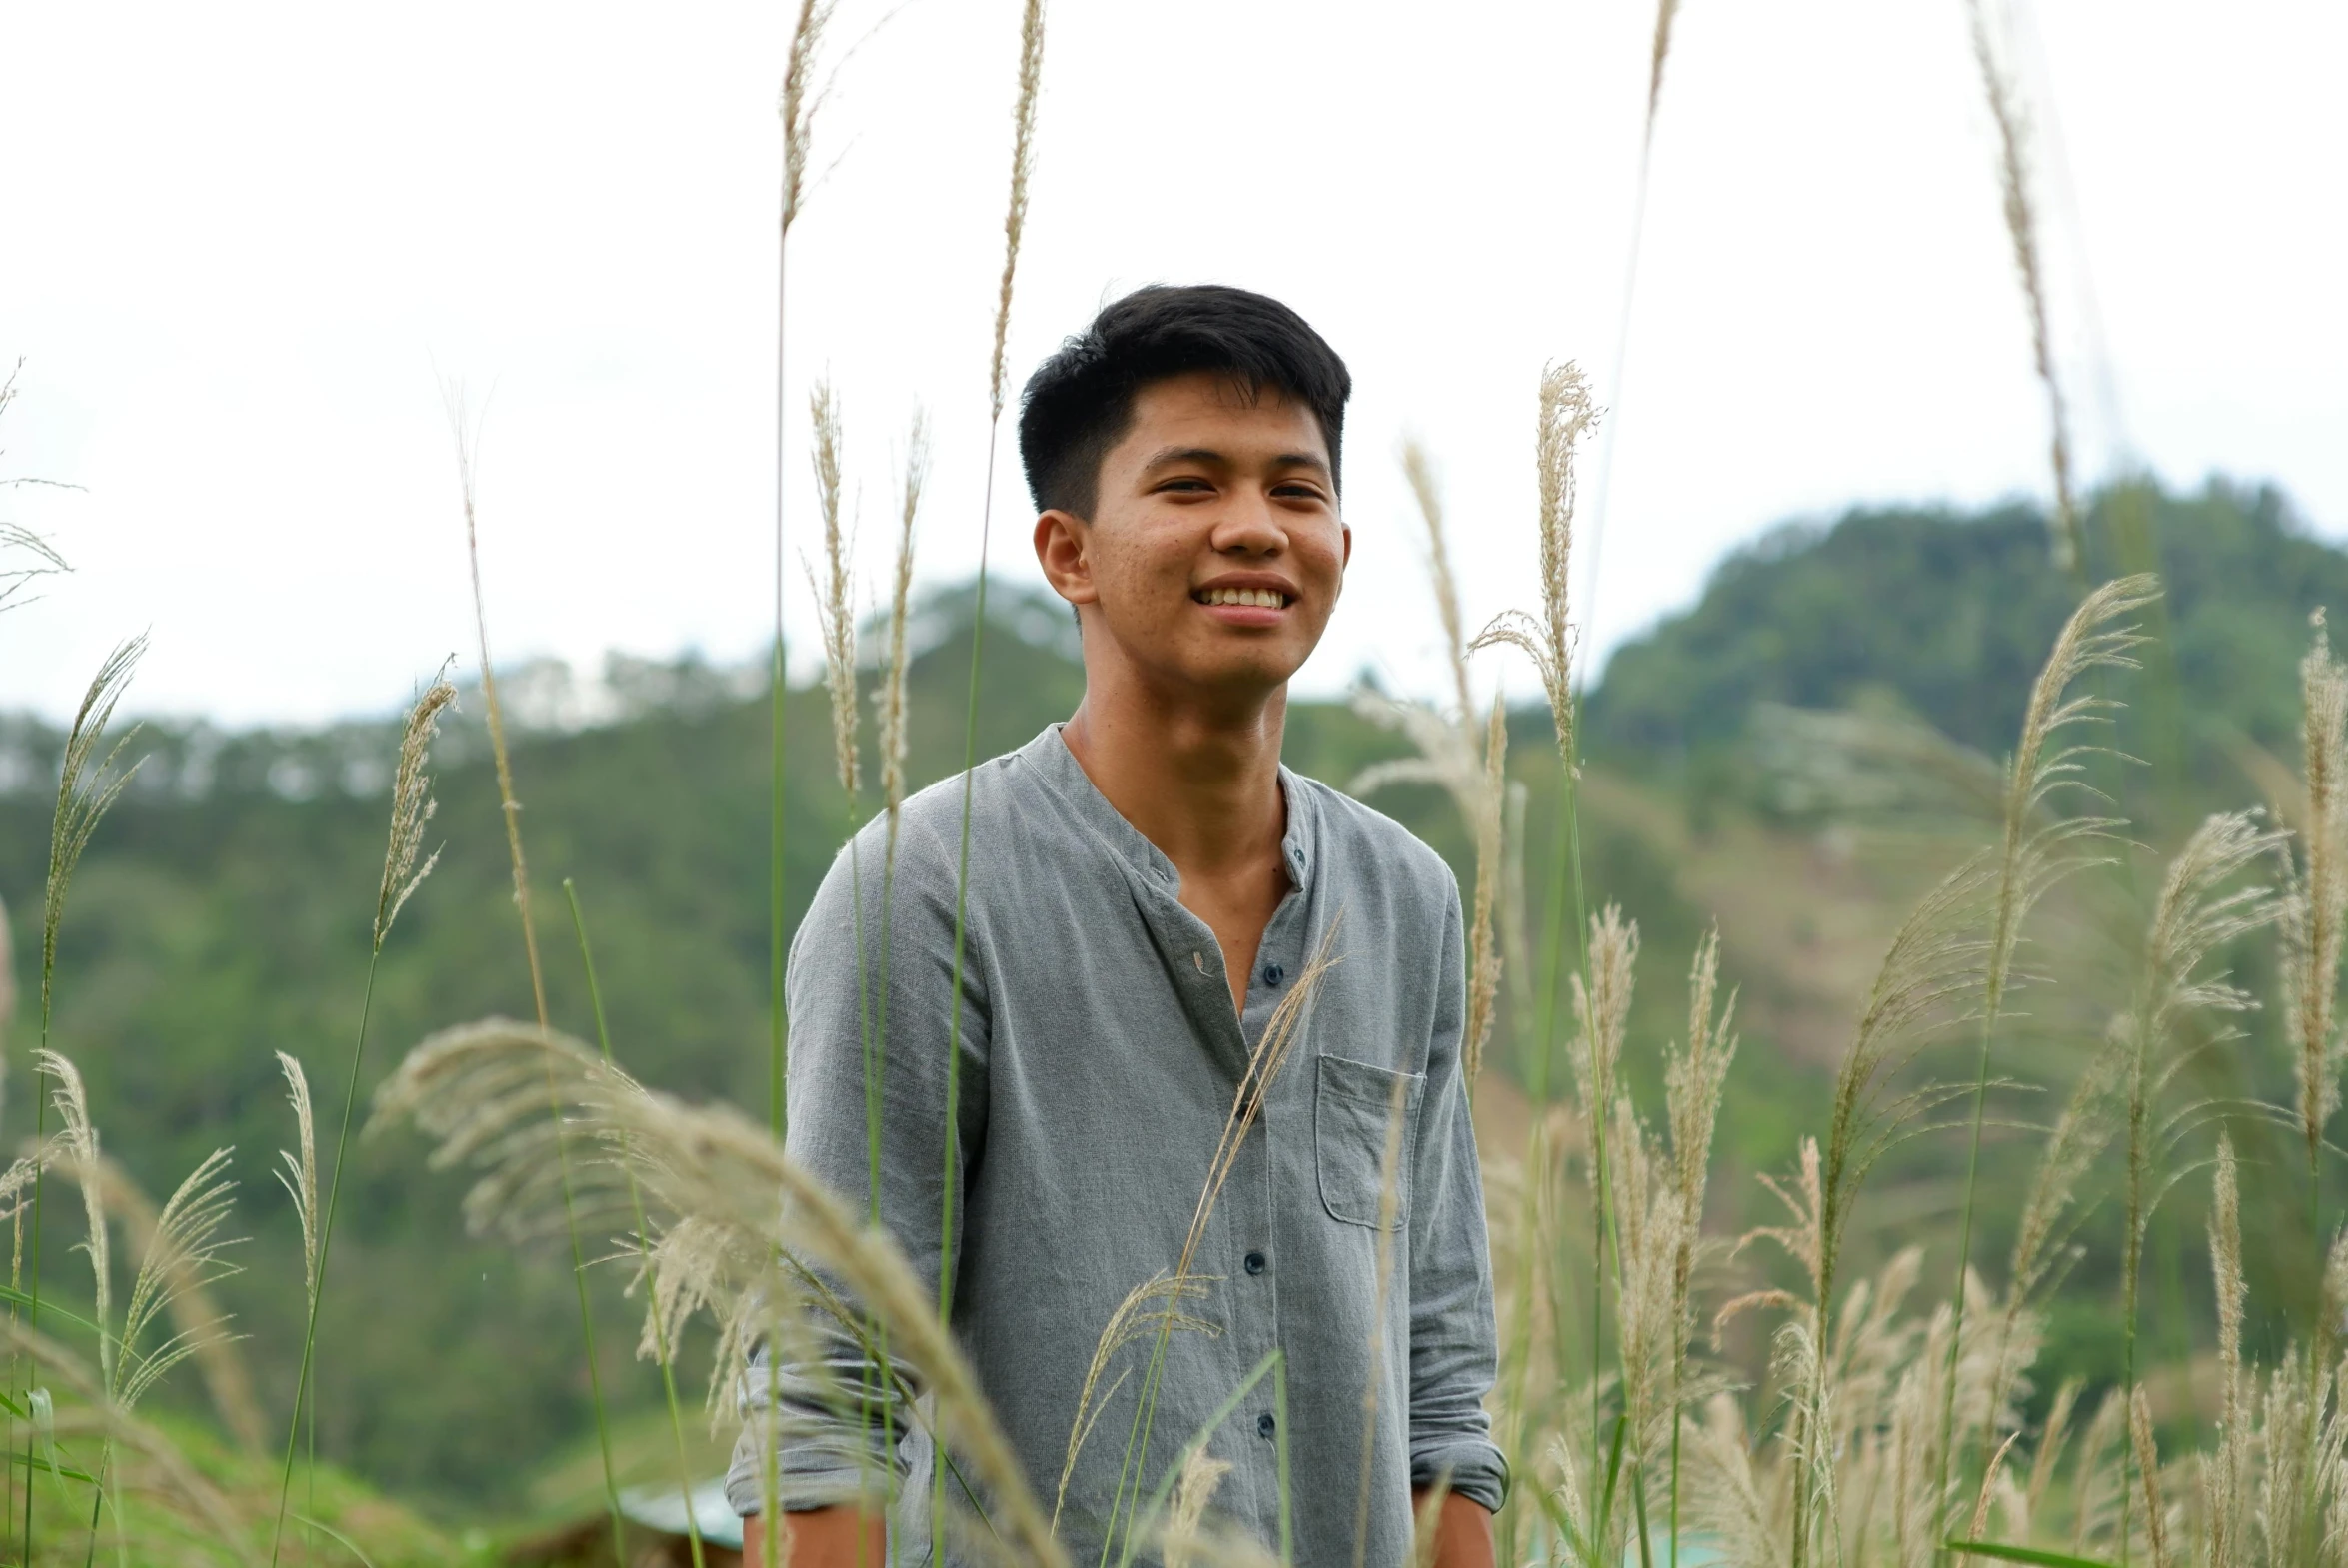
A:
[869, 1048]
[1454, 1350]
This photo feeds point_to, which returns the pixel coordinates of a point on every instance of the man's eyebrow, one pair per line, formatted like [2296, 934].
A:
[1210, 456]
[1168, 456]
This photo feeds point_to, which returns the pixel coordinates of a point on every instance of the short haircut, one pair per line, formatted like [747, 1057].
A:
[1080, 402]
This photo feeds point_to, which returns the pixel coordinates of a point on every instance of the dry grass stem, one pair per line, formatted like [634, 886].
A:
[1023, 167]
[494, 715]
[1483, 950]
[1667, 12]
[78, 1140]
[1566, 417]
[734, 1220]
[2003, 95]
[2316, 910]
[1389, 1200]
[1418, 468]
[1135, 1318]
[2229, 1471]
[1185, 1519]
[891, 694]
[835, 588]
[2147, 1455]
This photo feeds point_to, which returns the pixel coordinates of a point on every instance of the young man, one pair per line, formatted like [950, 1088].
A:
[1146, 884]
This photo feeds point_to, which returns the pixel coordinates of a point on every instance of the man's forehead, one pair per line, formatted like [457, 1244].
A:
[1205, 409]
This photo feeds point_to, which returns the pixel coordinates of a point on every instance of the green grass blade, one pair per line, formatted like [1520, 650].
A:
[2022, 1554]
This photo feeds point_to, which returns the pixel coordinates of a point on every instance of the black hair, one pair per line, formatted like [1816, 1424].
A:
[1080, 402]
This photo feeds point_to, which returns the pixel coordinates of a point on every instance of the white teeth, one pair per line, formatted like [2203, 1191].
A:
[1256, 598]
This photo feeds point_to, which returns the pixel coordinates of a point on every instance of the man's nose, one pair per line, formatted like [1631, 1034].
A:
[1250, 524]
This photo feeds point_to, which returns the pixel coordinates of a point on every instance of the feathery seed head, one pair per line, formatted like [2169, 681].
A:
[298, 1176]
[1023, 167]
[1483, 952]
[2021, 222]
[798, 103]
[1424, 488]
[753, 1227]
[1567, 415]
[836, 614]
[412, 807]
[86, 787]
[891, 694]
[2315, 913]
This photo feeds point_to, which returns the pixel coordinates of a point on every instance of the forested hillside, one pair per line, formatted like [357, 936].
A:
[221, 912]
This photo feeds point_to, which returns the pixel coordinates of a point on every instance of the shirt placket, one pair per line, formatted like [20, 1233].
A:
[1253, 1326]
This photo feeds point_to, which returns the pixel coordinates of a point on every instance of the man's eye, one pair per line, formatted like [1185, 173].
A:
[1185, 483]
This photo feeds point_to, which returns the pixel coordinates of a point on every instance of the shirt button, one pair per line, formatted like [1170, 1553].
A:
[1264, 1424]
[1273, 974]
[1254, 1262]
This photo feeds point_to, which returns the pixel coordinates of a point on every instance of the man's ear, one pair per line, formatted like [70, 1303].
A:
[1060, 551]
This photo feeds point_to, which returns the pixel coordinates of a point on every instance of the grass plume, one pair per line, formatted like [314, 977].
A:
[835, 589]
[2201, 908]
[2038, 849]
[2315, 909]
[796, 107]
[719, 1195]
[412, 810]
[2005, 98]
[1015, 224]
[1566, 417]
[510, 807]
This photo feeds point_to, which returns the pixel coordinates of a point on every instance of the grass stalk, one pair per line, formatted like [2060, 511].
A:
[663, 1355]
[86, 787]
[2200, 908]
[404, 866]
[1564, 418]
[1389, 1192]
[2034, 854]
[511, 810]
[2003, 96]
[1014, 222]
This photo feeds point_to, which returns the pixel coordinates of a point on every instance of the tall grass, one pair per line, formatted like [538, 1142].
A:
[88, 785]
[2019, 207]
[2039, 848]
[1015, 224]
[404, 866]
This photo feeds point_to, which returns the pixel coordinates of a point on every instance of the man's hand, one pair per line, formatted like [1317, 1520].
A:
[844, 1537]
[1463, 1531]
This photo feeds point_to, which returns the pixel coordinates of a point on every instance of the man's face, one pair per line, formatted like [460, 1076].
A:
[1214, 554]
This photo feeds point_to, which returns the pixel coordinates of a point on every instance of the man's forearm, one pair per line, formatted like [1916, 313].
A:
[842, 1537]
[1463, 1531]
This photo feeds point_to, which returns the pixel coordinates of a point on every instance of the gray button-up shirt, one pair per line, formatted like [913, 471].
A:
[1099, 1062]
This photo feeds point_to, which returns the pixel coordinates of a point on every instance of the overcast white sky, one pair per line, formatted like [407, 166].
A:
[244, 244]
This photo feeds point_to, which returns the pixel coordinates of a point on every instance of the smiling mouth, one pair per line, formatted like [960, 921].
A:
[1253, 598]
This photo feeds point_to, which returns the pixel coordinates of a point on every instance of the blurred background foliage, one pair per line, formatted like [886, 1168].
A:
[222, 913]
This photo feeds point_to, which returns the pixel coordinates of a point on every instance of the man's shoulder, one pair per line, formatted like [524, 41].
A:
[1360, 842]
[929, 820]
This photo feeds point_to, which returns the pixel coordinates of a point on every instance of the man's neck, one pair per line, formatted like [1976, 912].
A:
[1198, 779]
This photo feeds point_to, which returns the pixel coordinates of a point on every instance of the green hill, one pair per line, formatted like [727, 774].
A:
[222, 913]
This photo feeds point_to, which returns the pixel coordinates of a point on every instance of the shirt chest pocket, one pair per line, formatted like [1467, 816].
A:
[1352, 1105]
